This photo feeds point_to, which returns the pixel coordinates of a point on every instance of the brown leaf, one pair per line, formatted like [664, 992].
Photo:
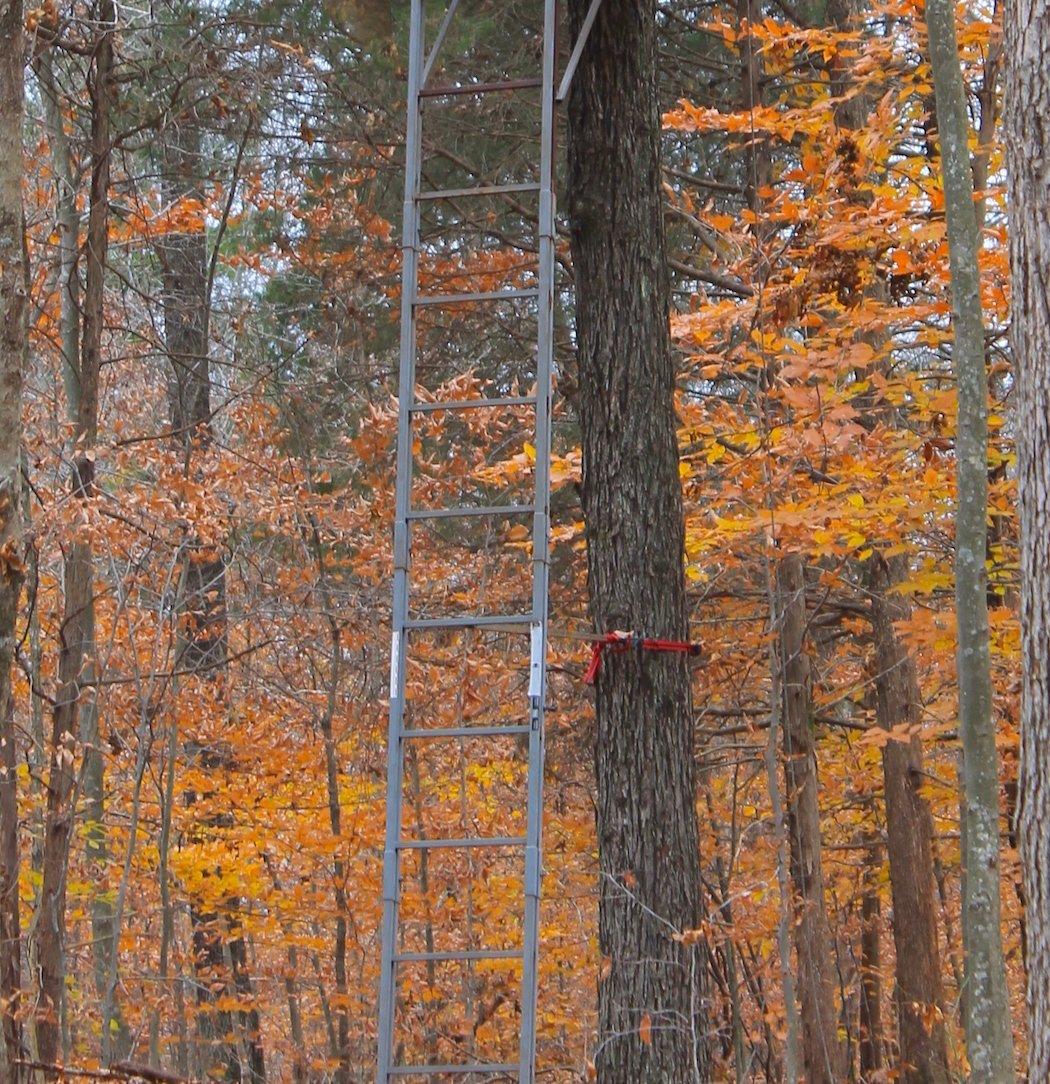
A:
[689, 937]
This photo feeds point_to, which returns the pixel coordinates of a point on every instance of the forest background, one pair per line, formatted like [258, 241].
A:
[198, 716]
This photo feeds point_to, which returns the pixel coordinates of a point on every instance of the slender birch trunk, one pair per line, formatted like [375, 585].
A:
[989, 1038]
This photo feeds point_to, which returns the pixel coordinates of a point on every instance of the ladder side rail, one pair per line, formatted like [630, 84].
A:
[406, 391]
[540, 557]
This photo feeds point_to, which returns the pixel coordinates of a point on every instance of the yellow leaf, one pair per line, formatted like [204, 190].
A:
[645, 1029]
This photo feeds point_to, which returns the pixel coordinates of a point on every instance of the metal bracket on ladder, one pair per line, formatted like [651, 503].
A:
[577, 50]
[406, 624]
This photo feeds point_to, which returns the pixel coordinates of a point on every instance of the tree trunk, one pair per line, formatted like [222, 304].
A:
[989, 1037]
[167, 915]
[1027, 111]
[922, 1051]
[909, 833]
[300, 1055]
[103, 924]
[791, 1057]
[13, 279]
[652, 1014]
[60, 157]
[202, 589]
[871, 1041]
[343, 1073]
[202, 599]
[756, 167]
[821, 1051]
[77, 648]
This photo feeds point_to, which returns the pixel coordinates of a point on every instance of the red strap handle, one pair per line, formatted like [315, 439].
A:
[624, 641]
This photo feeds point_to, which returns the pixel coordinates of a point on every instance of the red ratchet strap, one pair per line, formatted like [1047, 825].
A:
[624, 641]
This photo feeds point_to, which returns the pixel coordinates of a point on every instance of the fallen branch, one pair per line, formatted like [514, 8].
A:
[122, 1070]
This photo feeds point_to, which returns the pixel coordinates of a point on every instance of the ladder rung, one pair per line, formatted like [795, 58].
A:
[463, 299]
[472, 510]
[472, 404]
[434, 1070]
[468, 622]
[462, 954]
[453, 844]
[468, 732]
[447, 90]
[479, 190]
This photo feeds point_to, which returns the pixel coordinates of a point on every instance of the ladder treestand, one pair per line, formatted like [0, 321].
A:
[436, 911]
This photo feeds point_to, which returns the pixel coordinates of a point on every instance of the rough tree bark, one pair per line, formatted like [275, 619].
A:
[12, 357]
[989, 1037]
[1027, 112]
[822, 1054]
[653, 1018]
[77, 648]
[909, 833]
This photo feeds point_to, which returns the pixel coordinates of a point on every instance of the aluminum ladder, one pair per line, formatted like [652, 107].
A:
[407, 732]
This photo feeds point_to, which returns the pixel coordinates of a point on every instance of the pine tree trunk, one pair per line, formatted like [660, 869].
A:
[652, 1013]
[989, 1037]
[1027, 111]
[822, 1054]
[909, 833]
[12, 358]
